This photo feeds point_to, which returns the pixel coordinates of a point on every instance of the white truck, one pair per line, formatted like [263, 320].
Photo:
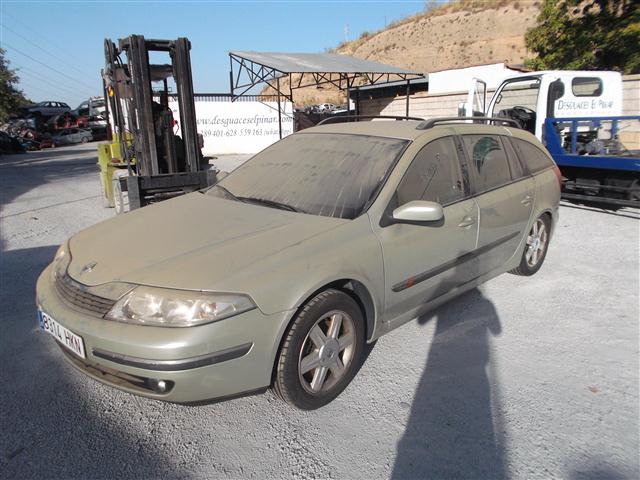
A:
[577, 116]
[533, 97]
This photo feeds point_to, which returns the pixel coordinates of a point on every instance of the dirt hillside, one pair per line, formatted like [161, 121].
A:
[465, 33]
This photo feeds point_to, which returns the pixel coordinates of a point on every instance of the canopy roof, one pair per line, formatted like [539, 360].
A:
[249, 69]
[318, 63]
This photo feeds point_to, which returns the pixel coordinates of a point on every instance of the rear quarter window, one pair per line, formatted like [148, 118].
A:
[531, 156]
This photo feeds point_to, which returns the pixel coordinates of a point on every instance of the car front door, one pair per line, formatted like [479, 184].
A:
[422, 262]
[504, 194]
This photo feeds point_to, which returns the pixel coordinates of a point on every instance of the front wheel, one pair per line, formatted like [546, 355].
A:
[535, 249]
[321, 352]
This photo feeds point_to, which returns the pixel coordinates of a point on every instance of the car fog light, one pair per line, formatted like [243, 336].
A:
[159, 386]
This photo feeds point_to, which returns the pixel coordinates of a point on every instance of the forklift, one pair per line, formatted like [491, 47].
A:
[146, 160]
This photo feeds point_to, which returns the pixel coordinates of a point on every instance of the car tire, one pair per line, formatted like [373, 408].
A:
[321, 352]
[84, 139]
[535, 249]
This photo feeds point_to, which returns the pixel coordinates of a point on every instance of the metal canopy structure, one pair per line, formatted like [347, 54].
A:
[249, 69]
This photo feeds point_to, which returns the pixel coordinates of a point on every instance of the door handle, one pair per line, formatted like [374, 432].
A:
[526, 201]
[466, 222]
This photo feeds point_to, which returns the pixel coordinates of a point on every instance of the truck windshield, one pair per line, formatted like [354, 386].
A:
[328, 174]
[517, 93]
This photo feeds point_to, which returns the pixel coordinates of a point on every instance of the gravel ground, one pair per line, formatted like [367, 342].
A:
[523, 378]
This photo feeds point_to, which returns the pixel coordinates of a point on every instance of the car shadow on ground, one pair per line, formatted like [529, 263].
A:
[452, 431]
[50, 427]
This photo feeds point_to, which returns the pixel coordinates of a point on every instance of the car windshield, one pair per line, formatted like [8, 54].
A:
[333, 175]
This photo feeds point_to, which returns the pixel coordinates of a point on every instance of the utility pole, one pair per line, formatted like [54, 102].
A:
[346, 32]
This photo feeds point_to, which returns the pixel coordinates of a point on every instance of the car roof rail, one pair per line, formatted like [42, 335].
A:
[427, 124]
[366, 117]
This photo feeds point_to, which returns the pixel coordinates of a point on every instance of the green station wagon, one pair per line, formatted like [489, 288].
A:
[282, 273]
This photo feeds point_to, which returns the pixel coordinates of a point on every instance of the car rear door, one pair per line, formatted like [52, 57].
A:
[75, 136]
[504, 194]
[422, 262]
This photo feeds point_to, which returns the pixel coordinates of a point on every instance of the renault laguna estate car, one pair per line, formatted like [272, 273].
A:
[281, 274]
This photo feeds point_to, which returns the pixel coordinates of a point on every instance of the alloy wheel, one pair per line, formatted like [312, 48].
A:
[327, 352]
[536, 243]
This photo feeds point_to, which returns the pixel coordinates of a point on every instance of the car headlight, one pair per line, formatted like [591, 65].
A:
[61, 261]
[162, 307]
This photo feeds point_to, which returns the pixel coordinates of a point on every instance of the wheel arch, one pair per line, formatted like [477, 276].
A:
[356, 289]
[552, 219]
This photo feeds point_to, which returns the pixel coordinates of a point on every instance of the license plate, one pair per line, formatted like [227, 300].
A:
[65, 336]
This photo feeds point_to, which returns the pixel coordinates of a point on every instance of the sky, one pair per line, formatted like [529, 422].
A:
[57, 46]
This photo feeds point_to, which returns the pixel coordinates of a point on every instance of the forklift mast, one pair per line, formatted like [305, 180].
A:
[161, 164]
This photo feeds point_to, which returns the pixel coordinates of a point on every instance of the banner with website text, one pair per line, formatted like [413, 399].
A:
[239, 127]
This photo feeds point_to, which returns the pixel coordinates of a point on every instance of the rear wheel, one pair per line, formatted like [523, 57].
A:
[85, 139]
[535, 249]
[322, 351]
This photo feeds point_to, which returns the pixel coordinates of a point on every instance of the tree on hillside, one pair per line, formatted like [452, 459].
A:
[11, 98]
[587, 35]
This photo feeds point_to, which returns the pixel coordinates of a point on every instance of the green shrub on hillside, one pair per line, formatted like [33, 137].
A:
[586, 35]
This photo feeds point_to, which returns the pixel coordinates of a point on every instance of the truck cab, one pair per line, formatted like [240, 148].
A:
[532, 97]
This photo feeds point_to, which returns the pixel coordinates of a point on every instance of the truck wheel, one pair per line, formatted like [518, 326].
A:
[535, 249]
[634, 191]
[321, 351]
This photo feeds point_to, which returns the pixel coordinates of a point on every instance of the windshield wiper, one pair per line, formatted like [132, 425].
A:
[226, 191]
[271, 203]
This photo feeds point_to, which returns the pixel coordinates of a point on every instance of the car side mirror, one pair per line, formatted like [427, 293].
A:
[418, 211]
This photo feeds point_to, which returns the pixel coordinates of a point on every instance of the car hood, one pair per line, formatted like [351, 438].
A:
[178, 243]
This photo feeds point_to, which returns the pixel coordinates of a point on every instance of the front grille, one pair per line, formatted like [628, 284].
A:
[76, 295]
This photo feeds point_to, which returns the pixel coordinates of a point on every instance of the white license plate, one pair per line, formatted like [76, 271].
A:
[65, 336]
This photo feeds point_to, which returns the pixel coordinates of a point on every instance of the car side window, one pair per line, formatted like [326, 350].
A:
[517, 172]
[434, 175]
[531, 156]
[488, 161]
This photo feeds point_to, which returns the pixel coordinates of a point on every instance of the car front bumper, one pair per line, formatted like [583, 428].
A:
[220, 359]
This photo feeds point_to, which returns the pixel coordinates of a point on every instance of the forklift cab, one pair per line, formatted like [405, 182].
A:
[160, 162]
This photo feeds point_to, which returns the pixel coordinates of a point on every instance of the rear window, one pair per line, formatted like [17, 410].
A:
[488, 161]
[533, 158]
[586, 86]
[333, 175]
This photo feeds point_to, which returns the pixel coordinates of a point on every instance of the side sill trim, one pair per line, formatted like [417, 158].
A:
[176, 365]
[421, 277]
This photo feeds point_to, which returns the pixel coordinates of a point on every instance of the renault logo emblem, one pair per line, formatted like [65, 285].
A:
[88, 268]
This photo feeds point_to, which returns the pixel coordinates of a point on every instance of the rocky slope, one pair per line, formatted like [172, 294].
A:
[465, 33]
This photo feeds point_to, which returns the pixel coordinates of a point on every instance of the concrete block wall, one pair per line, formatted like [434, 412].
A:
[630, 136]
